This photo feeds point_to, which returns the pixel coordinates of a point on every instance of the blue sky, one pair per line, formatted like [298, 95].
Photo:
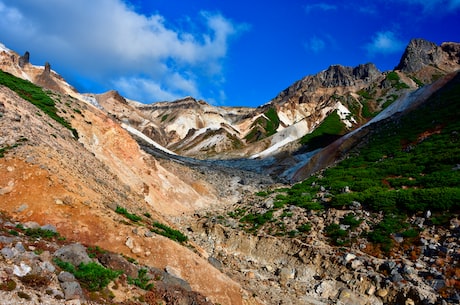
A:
[235, 53]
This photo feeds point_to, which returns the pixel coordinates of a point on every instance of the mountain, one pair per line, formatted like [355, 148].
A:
[356, 94]
[196, 199]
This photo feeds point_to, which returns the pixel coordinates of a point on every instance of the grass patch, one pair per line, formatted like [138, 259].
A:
[35, 95]
[168, 232]
[328, 131]
[265, 126]
[124, 212]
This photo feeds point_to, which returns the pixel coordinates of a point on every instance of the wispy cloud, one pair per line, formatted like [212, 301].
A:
[384, 43]
[315, 44]
[434, 6]
[109, 41]
[323, 6]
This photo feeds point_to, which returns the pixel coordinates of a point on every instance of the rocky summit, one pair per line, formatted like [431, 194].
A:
[342, 189]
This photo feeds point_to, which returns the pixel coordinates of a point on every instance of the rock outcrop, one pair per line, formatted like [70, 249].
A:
[24, 59]
[427, 61]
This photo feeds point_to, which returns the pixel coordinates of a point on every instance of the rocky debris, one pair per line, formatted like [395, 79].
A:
[286, 270]
[28, 274]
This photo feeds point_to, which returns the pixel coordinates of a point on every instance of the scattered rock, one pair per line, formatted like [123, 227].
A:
[73, 253]
[21, 270]
[49, 228]
[382, 292]
[129, 242]
[65, 276]
[72, 290]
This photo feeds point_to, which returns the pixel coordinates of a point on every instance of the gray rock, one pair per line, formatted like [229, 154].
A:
[215, 262]
[20, 247]
[22, 208]
[31, 225]
[24, 59]
[396, 277]
[65, 276]
[74, 254]
[47, 266]
[72, 290]
[8, 253]
[49, 228]
[6, 240]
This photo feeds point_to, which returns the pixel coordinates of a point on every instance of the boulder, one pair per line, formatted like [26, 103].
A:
[73, 253]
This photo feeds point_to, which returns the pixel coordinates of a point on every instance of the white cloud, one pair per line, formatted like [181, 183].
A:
[320, 6]
[315, 44]
[143, 89]
[108, 41]
[434, 6]
[384, 43]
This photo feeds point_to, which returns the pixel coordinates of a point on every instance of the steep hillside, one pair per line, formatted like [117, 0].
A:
[66, 163]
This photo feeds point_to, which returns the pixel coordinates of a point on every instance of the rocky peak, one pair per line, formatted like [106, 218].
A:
[421, 53]
[23, 60]
[341, 76]
[47, 68]
[112, 94]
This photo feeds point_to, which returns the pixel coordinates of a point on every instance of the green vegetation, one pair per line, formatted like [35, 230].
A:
[36, 96]
[168, 232]
[41, 233]
[95, 252]
[328, 131]
[8, 285]
[6, 148]
[124, 212]
[395, 80]
[265, 126]
[407, 166]
[92, 276]
[417, 81]
[142, 281]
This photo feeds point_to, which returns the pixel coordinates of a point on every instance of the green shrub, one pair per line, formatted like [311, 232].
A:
[142, 281]
[41, 233]
[92, 276]
[168, 232]
[338, 236]
[305, 228]
[124, 212]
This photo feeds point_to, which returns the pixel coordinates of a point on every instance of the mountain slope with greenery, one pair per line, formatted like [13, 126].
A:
[406, 166]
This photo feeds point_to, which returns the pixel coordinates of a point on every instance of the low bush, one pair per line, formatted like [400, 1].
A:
[92, 276]
[168, 232]
[124, 212]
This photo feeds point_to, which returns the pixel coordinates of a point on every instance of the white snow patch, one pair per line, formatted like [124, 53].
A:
[284, 137]
[91, 100]
[147, 139]
[344, 115]
[4, 49]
